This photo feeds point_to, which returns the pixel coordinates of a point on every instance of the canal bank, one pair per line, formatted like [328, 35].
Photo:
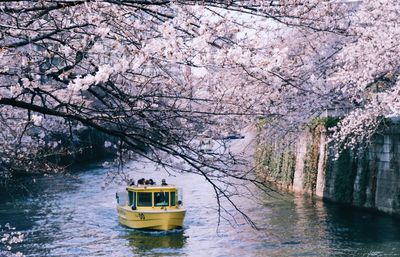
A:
[368, 177]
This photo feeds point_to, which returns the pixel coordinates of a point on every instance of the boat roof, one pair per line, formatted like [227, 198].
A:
[150, 187]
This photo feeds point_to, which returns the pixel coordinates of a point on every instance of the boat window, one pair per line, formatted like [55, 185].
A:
[131, 201]
[172, 198]
[161, 198]
[144, 199]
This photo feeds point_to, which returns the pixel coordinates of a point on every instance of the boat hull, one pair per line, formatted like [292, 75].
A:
[151, 219]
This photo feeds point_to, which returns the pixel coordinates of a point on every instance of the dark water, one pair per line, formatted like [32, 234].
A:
[73, 216]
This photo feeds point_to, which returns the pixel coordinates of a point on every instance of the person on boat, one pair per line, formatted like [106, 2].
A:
[163, 182]
[151, 182]
[160, 199]
[141, 181]
[131, 182]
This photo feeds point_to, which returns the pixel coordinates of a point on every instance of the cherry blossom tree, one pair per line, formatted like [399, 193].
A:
[162, 77]
[369, 70]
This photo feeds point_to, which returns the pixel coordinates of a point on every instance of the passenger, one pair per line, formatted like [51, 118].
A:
[141, 181]
[163, 182]
[147, 182]
[131, 182]
[151, 182]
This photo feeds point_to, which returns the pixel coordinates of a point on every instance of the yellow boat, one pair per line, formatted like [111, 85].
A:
[153, 207]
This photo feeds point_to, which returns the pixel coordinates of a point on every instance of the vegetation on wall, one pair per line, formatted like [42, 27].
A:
[274, 162]
[365, 176]
[316, 127]
[275, 167]
[278, 165]
[312, 159]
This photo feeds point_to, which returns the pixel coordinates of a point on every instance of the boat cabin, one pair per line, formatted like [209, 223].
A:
[150, 197]
[150, 206]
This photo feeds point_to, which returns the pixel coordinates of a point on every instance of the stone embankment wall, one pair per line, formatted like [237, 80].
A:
[367, 178]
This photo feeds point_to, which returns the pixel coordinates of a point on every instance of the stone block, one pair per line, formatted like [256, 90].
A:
[387, 148]
[387, 139]
[371, 155]
[383, 166]
[383, 157]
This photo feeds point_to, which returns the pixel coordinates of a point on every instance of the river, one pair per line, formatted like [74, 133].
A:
[73, 215]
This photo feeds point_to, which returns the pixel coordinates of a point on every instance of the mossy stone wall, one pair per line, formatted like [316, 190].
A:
[368, 177]
[276, 167]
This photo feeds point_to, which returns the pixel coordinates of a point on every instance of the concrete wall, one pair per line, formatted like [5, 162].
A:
[367, 178]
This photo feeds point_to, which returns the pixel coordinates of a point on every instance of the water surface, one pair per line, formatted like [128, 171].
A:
[71, 215]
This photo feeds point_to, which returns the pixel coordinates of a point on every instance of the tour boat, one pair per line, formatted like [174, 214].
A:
[150, 206]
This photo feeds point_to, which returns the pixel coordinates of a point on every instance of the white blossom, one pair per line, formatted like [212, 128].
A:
[37, 119]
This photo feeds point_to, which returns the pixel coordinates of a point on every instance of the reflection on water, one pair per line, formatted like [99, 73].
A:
[145, 242]
[72, 216]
